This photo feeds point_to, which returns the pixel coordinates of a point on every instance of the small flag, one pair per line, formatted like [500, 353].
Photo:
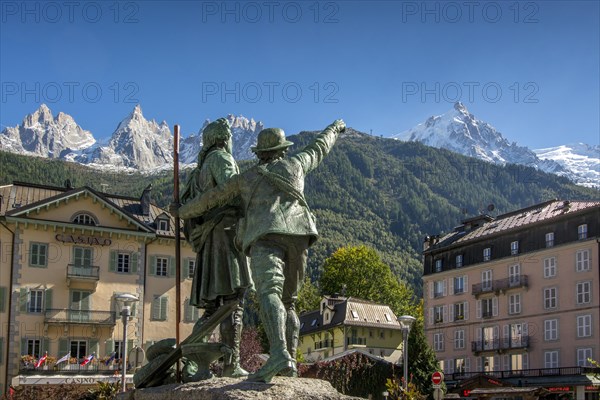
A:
[87, 360]
[41, 361]
[112, 357]
[64, 358]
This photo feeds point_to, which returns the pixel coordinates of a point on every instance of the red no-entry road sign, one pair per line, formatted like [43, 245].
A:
[437, 378]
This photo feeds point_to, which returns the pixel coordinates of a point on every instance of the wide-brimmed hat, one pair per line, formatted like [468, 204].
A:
[271, 139]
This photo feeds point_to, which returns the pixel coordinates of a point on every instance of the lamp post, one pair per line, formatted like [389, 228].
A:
[126, 300]
[406, 322]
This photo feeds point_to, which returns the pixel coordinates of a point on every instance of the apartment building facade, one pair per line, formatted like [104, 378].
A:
[518, 296]
[346, 323]
[66, 254]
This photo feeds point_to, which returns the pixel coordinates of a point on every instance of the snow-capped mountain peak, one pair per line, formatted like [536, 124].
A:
[581, 159]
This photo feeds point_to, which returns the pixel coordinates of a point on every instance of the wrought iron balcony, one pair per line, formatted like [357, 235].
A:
[500, 285]
[500, 345]
[80, 273]
[561, 371]
[92, 317]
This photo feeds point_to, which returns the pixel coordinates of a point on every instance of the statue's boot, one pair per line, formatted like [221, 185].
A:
[231, 335]
[292, 332]
[273, 316]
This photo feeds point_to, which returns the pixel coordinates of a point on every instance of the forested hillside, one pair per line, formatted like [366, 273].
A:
[383, 193]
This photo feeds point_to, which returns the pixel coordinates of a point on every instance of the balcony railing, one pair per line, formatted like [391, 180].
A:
[563, 371]
[83, 272]
[356, 340]
[324, 344]
[500, 285]
[521, 342]
[80, 316]
[97, 368]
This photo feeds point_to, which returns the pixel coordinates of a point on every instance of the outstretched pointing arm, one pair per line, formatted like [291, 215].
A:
[313, 154]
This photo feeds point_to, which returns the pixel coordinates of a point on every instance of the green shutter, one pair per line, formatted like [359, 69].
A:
[44, 342]
[109, 347]
[187, 311]
[112, 264]
[163, 308]
[33, 251]
[129, 347]
[156, 308]
[23, 346]
[63, 348]
[134, 309]
[23, 296]
[172, 266]
[134, 262]
[94, 347]
[152, 268]
[42, 259]
[186, 269]
[1, 351]
[2, 297]
[48, 299]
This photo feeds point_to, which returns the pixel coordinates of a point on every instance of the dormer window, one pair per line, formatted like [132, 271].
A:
[582, 231]
[163, 224]
[354, 314]
[84, 219]
[514, 247]
[459, 261]
[549, 239]
[487, 254]
[313, 323]
[327, 317]
[438, 265]
[388, 318]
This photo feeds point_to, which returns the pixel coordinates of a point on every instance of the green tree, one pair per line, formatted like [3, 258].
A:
[360, 272]
[308, 297]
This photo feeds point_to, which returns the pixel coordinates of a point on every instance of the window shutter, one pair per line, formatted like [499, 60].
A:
[506, 362]
[112, 264]
[134, 309]
[1, 351]
[505, 332]
[171, 269]
[431, 290]
[152, 269]
[444, 313]
[48, 299]
[466, 310]
[94, 347]
[466, 283]
[134, 262]
[23, 297]
[130, 346]
[495, 306]
[444, 291]
[478, 311]
[63, 348]
[187, 267]
[451, 319]
[33, 250]
[23, 347]
[467, 364]
[479, 366]
[525, 329]
[430, 316]
[496, 363]
[525, 361]
[156, 308]
[43, 345]
[2, 301]
[163, 308]
[451, 285]
[109, 347]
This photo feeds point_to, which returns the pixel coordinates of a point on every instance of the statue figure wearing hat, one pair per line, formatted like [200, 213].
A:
[222, 274]
[276, 231]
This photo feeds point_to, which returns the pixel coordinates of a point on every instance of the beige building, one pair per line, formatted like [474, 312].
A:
[65, 254]
[346, 323]
[517, 297]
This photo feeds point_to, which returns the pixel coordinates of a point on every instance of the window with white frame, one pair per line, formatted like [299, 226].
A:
[38, 254]
[459, 284]
[584, 325]
[584, 292]
[514, 275]
[582, 260]
[549, 267]
[582, 231]
[35, 302]
[459, 311]
[514, 247]
[123, 262]
[514, 303]
[486, 280]
[439, 288]
[550, 297]
[459, 339]
[549, 239]
[550, 329]
[162, 266]
[82, 256]
[438, 314]
[163, 224]
[438, 341]
[584, 355]
[551, 359]
[487, 254]
[459, 261]
[438, 265]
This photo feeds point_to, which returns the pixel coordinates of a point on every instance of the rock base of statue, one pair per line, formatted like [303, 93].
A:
[280, 388]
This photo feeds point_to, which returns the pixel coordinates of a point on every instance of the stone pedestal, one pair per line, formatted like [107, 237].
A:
[280, 388]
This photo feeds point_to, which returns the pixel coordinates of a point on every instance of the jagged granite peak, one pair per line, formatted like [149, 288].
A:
[42, 134]
[136, 144]
[458, 130]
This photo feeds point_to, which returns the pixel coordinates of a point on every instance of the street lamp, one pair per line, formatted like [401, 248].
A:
[126, 300]
[406, 322]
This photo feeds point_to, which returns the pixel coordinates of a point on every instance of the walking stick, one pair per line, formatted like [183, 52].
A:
[177, 242]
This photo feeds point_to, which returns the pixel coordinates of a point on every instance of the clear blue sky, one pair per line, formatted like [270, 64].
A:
[382, 66]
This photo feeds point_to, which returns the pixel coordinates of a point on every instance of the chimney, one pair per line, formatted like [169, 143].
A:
[146, 199]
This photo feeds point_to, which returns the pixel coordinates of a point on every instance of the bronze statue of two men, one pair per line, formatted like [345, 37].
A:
[260, 215]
